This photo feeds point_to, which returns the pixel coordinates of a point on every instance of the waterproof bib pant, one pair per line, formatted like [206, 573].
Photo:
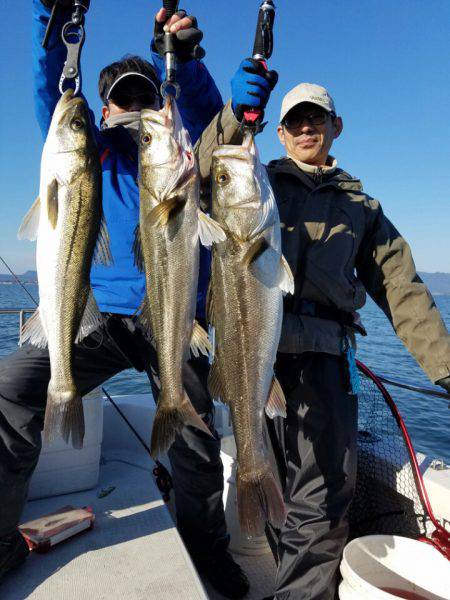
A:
[315, 447]
[195, 457]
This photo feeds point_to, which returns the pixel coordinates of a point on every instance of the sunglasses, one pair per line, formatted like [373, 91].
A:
[314, 117]
[126, 98]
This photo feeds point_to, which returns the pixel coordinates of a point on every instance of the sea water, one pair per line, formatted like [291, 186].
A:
[427, 418]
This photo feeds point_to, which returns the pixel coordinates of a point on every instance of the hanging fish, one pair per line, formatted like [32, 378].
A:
[245, 307]
[171, 226]
[66, 220]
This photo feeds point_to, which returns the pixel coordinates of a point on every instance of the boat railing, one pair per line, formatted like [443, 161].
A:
[22, 312]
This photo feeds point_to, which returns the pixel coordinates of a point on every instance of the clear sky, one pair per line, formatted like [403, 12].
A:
[385, 62]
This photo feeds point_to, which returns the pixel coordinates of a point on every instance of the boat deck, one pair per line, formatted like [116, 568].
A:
[133, 552]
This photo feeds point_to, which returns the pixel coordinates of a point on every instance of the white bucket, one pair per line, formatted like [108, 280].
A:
[388, 566]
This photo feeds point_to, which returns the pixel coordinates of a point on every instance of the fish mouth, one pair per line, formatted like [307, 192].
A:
[153, 116]
[226, 152]
[68, 100]
[69, 103]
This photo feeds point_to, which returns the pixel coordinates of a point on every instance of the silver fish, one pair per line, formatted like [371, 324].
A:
[167, 249]
[66, 220]
[245, 307]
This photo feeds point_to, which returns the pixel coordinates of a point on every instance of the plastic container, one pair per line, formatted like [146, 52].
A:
[62, 469]
[385, 567]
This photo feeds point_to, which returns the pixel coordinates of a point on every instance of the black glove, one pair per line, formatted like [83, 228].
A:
[445, 383]
[186, 41]
[251, 87]
[66, 4]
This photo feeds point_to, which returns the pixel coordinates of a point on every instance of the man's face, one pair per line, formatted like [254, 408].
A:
[308, 132]
[131, 96]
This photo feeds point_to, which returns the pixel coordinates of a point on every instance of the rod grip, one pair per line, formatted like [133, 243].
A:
[171, 7]
[263, 44]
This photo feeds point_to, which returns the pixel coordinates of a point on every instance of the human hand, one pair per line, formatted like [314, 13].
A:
[445, 383]
[251, 87]
[187, 35]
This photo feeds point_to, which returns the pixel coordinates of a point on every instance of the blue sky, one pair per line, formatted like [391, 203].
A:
[385, 62]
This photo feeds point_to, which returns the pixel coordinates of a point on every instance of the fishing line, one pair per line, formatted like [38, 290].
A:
[19, 282]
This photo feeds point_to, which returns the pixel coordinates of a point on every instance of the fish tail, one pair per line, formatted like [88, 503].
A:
[259, 500]
[64, 413]
[170, 419]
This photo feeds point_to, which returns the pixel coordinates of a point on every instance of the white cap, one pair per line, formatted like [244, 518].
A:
[152, 83]
[307, 92]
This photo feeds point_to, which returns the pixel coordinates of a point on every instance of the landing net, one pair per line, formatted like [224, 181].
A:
[390, 497]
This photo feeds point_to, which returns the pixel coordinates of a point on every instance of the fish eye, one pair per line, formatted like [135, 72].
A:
[77, 124]
[222, 178]
[146, 138]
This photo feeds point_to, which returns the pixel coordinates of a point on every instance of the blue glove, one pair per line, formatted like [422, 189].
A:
[251, 87]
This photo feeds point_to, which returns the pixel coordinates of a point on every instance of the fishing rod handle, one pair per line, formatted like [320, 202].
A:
[263, 44]
[171, 7]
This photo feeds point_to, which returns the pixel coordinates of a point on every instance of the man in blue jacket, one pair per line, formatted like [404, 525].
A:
[125, 88]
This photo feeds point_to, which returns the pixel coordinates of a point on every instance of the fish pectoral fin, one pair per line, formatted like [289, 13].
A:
[52, 203]
[166, 210]
[286, 278]
[102, 251]
[262, 260]
[276, 402]
[91, 320]
[200, 343]
[137, 249]
[215, 383]
[255, 251]
[209, 231]
[28, 230]
[33, 331]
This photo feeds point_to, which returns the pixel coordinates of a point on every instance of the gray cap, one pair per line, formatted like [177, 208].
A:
[307, 92]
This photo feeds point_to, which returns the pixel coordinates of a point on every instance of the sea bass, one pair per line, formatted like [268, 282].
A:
[167, 250]
[245, 307]
[66, 221]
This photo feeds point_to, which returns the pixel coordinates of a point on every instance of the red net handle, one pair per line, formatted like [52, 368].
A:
[440, 538]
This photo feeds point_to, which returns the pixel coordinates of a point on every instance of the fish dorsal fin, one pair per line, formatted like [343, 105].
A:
[91, 320]
[52, 203]
[33, 331]
[137, 249]
[286, 278]
[102, 252]
[200, 343]
[209, 231]
[166, 210]
[276, 402]
[28, 230]
[255, 251]
[215, 383]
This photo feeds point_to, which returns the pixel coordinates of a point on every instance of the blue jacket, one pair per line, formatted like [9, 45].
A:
[121, 287]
